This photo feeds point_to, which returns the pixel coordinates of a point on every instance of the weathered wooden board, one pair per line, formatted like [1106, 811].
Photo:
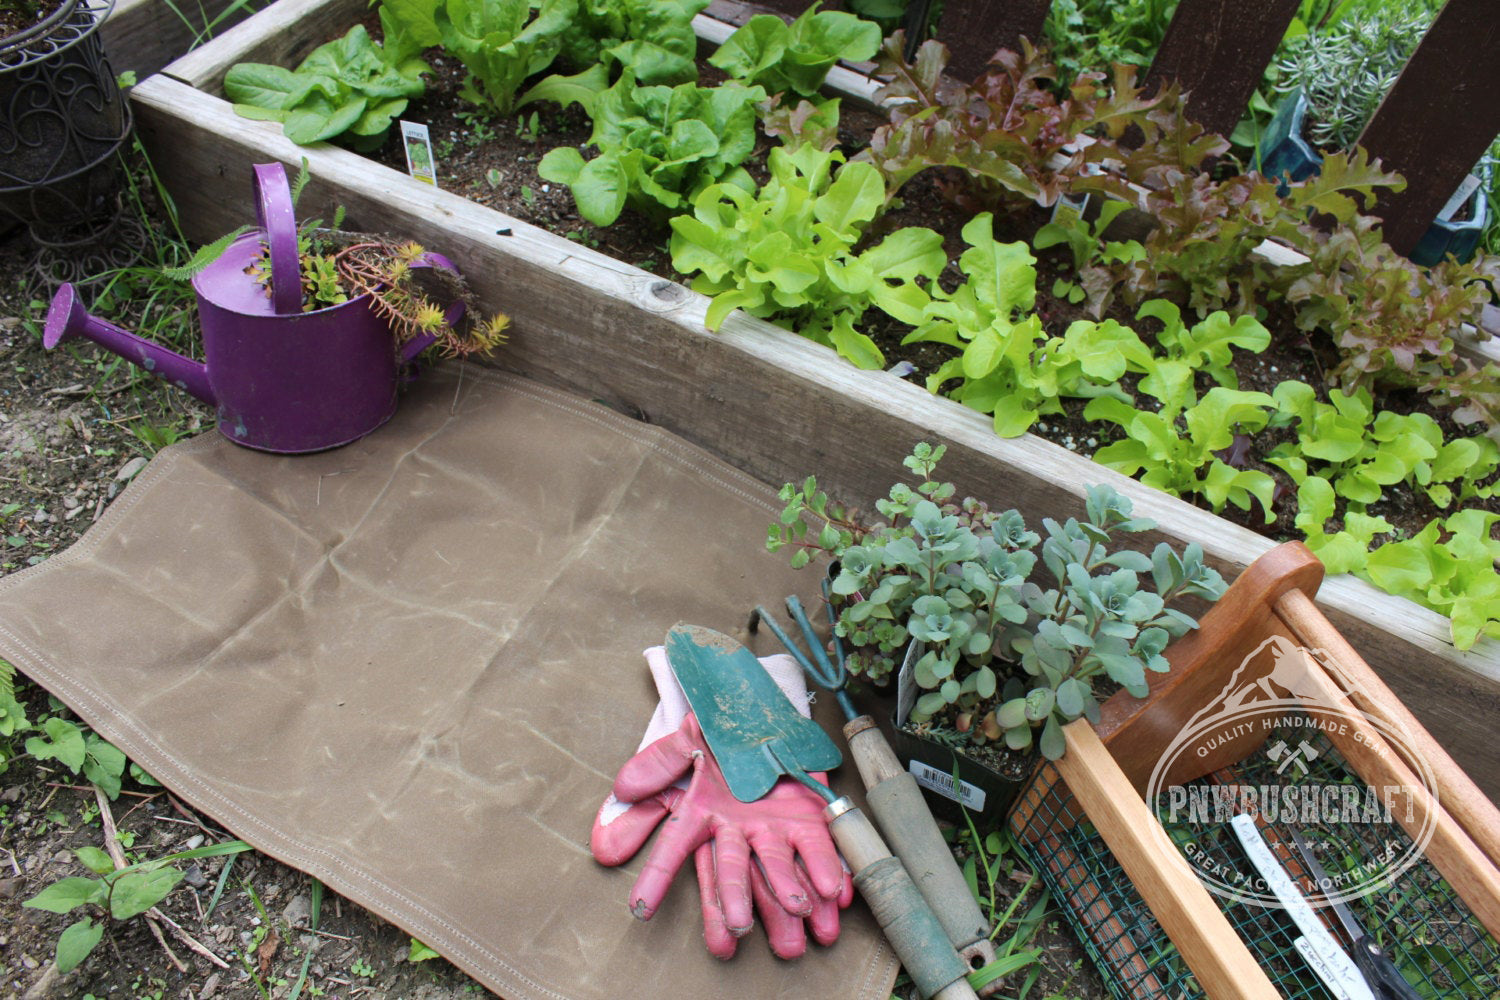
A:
[1439, 118]
[1218, 50]
[1156, 867]
[283, 33]
[145, 35]
[766, 400]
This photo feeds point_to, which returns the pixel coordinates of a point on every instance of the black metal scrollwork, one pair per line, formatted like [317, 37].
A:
[62, 119]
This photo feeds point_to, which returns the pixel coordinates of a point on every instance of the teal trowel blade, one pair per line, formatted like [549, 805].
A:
[743, 713]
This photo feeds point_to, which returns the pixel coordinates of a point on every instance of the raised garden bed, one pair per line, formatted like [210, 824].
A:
[612, 331]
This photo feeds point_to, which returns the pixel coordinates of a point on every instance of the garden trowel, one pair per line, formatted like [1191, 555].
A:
[757, 736]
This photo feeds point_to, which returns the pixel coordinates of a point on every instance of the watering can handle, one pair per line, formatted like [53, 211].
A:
[278, 220]
[452, 315]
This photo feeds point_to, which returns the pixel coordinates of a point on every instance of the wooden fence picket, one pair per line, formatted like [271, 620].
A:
[1218, 51]
[1439, 118]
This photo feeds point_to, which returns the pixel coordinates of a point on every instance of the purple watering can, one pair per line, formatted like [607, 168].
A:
[283, 380]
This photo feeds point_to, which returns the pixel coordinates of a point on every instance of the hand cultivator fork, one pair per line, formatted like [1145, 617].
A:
[894, 797]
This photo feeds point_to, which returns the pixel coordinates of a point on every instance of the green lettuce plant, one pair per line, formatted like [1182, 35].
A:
[1360, 451]
[1008, 365]
[1177, 448]
[1004, 657]
[349, 89]
[499, 42]
[653, 37]
[795, 58]
[658, 147]
[1085, 241]
[1448, 566]
[786, 252]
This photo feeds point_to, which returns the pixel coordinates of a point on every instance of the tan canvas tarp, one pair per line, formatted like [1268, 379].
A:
[412, 666]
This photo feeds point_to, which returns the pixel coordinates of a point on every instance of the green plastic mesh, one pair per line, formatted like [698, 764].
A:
[1431, 936]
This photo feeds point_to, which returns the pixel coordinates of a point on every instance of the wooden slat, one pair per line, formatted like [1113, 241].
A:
[764, 399]
[1439, 118]
[145, 35]
[1450, 849]
[974, 29]
[1456, 792]
[1218, 50]
[283, 34]
[1222, 964]
[1204, 661]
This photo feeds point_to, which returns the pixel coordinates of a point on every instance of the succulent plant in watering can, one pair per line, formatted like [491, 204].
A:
[290, 366]
[1002, 656]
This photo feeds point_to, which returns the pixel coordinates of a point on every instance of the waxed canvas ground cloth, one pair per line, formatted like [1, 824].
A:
[412, 666]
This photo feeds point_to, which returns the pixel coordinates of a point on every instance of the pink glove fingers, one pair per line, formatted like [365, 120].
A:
[824, 922]
[721, 943]
[616, 842]
[732, 872]
[778, 866]
[786, 932]
[655, 768]
[681, 835]
[820, 859]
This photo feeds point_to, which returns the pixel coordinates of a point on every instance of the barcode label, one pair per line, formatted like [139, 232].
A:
[967, 795]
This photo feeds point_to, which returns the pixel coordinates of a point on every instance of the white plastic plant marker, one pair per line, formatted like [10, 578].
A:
[1317, 944]
[417, 142]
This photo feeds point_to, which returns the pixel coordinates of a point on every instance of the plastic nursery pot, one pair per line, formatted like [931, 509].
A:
[282, 380]
[988, 778]
[1284, 153]
[62, 117]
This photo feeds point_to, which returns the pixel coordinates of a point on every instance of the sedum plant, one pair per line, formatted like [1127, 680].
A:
[1009, 652]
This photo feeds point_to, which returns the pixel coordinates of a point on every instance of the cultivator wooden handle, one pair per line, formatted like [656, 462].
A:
[896, 800]
[914, 932]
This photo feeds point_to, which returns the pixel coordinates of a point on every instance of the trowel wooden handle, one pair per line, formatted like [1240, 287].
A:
[896, 801]
[914, 932]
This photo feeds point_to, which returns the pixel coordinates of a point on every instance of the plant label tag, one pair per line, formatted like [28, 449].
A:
[1068, 211]
[960, 791]
[1466, 189]
[419, 162]
[906, 682]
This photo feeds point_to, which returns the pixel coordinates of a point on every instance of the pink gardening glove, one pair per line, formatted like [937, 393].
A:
[775, 853]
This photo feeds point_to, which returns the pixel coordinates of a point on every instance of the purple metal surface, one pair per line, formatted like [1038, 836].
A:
[278, 224]
[282, 380]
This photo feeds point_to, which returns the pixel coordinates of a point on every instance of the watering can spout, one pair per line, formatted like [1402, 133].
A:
[67, 319]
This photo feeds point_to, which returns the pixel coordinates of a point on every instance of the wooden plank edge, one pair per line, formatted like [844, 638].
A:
[1367, 752]
[1211, 947]
[1406, 634]
[1457, 793]
[145, 35]
[204, 67]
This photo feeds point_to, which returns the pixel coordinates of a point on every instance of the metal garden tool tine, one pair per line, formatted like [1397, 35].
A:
[896, 800]
[756, 736]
